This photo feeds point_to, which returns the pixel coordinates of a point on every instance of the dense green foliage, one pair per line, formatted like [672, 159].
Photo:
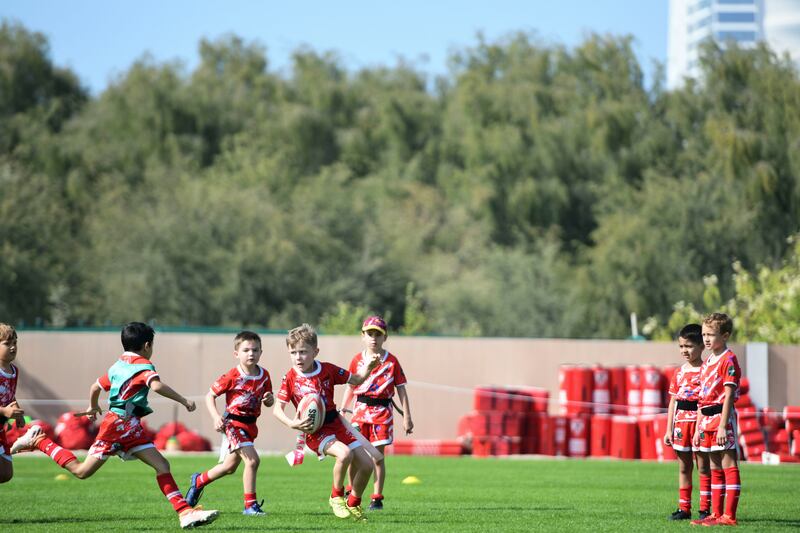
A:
[533, 191]
[456, 494]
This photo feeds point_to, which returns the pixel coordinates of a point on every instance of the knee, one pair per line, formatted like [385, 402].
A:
[252, 461]
[347, 457]
[83, 475]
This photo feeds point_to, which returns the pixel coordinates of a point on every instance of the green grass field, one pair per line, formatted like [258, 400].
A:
[456, 494]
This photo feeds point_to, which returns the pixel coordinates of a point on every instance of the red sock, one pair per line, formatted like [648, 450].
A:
[202, 480]
[353, 500]
[733, 486]
[58, 454]
[376, 497]
[348, 488]
[685, 498]
[705, 492]
[249, 499]
[337, 493]
[717, 492]
[170, 489]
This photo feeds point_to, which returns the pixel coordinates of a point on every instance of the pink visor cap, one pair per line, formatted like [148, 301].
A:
[376, 323]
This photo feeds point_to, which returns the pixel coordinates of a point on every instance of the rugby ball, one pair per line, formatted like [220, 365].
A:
[311, 406]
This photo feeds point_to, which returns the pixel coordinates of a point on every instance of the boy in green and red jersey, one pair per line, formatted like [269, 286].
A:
[121, 433]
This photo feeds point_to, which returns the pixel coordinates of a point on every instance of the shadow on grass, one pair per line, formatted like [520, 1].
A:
[793, 523]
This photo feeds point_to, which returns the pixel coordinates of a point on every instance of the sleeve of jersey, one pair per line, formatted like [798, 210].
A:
[149, 375]
[104, 382]
[731, 373]
[354, 363]
[399, 375]
[283, 393]
[673, 384]
[340, 375]
[221, 385]
[267, 382]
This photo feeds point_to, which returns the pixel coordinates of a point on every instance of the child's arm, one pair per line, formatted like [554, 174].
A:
[94, 405]
[347, 400]
[359, 378]
[727, 403]
[408, 424]
[302, 425]
[211, 405]
[166, 391]
[670, 421]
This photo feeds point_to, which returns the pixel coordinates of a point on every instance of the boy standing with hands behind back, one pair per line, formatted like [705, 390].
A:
[716, 422]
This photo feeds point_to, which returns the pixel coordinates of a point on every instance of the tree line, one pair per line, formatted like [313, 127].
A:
[534, 190]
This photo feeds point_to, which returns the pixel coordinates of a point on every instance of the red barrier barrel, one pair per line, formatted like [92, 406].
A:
[663, 452]
[546, 445]
[600, 435]
[559, 424]
[539, 398]
[650, 377]
[575, 389]
[744, 385]
[795, 448]
[791, 412]
[747, 421]
[578, 445]
[633, 385]
[619, 391]
[666, 378]
[624, 437]
[601, 389]
[647, 438]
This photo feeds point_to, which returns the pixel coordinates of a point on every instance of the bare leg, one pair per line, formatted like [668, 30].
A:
[226, 467]
[85, 469]
[251, 461]
[380, 472]
[362, 467]
[685, 467]
[344, 458]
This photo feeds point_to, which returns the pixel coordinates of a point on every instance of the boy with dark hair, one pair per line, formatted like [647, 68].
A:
[308, 376]
[373, 412]
[716, 422]
[245, 386]
[9, 408]
[684, 389]
[121, 433]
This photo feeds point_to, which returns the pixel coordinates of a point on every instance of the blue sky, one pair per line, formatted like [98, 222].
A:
[101, 39]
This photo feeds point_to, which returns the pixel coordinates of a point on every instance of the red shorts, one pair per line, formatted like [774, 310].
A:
[682, 433]
[708, 433]
[328, 434]
[120, 436]
[377, 434]
[5, 448]
[239, 434]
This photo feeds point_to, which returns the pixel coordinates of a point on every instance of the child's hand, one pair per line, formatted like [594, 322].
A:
[304, 425]
[375, 360]
[268, 399]
[722, 436]
[190, 405]
[91, 413]
[408, 425]
[667, 439]
[219, 424]
[12, 410]
[696, 440]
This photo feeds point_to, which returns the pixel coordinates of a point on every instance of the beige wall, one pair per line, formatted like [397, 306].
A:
[442, 371]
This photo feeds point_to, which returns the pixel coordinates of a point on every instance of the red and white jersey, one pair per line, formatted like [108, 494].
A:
[716, 372]
[685, 385]
[321, 380]
[8, 385]
[243, 393]
[380, 383]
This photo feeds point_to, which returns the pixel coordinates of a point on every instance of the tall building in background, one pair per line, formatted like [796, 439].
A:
[744, 21]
